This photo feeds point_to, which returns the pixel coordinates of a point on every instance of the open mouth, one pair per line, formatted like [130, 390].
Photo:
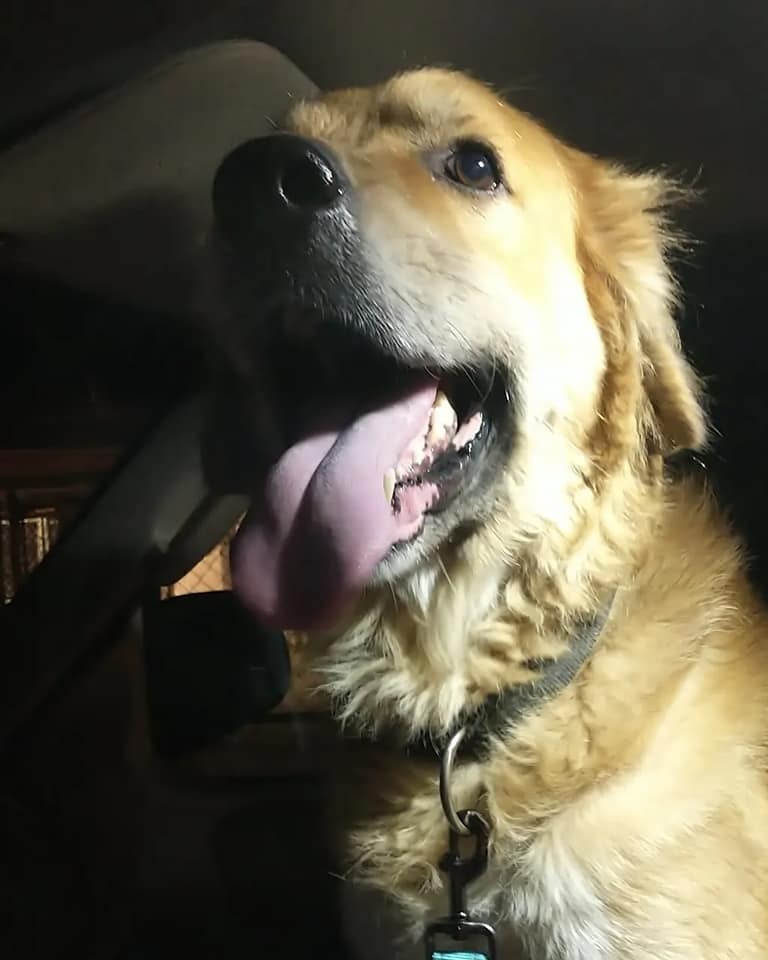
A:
[374, 448]
[336, 366]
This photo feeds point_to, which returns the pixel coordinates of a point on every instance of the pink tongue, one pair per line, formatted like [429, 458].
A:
[323, 522]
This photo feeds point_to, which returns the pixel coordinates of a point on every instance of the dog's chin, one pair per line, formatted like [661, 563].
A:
[405, 560]
[458, 522]
[383, 463]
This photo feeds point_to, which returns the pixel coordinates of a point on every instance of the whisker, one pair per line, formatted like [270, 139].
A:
[450, 582]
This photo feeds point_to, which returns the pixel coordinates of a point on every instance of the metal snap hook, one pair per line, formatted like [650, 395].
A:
[446, 772]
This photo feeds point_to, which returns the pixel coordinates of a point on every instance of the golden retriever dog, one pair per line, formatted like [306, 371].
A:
[456, 339]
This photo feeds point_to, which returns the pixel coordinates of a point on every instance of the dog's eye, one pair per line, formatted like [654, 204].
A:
[473, 165]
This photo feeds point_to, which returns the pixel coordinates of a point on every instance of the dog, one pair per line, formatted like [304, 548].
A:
[456, 339]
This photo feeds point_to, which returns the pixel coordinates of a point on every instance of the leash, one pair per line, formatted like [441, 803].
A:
[460, 936]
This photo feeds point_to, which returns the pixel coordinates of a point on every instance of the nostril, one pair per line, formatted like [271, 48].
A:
[273, 185]
[308, 181]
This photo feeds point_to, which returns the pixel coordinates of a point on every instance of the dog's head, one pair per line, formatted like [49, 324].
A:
[459, 328]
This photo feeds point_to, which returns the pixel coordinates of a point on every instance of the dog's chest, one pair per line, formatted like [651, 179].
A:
[537, 890]
[551, 904]
[545, 908]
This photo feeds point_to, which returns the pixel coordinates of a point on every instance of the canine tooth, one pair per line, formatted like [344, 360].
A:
[389, 486]
[443, 422]
[468, 430]
[440, 402]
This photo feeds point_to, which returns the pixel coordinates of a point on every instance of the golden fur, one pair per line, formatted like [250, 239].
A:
[630, 814]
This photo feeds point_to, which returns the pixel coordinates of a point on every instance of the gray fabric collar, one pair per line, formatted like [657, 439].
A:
[502, 711]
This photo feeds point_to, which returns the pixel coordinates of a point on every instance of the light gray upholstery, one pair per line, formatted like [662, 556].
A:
[114, 198]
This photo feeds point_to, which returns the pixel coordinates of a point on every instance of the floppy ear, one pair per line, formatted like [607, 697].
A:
[625, 236]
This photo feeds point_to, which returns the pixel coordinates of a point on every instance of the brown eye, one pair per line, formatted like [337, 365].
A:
[474, 166]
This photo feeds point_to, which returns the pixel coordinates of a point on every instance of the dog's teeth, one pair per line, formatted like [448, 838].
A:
[443, 422]
[437, 435]
[468, 431]
[389, 486]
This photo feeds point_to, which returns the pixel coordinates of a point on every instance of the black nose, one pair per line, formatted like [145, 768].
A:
[270, 182]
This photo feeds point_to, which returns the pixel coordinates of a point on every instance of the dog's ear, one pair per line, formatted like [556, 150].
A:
[624, 235]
